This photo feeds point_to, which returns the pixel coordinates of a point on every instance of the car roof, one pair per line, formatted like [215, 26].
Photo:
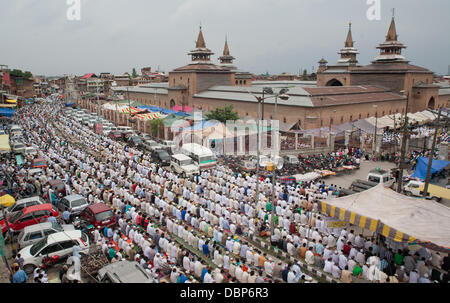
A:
[34, 208]
[39, 226]
[74, 197]
[126, 271]
[99, 207]
[35, 198]
[181, 157]
[64, 236]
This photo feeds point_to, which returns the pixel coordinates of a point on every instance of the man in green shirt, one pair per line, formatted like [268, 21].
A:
[398, 257]
[358, 271]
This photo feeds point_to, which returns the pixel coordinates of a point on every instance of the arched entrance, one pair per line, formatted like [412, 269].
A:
[172, 103]
[431, 103]
[334, 82]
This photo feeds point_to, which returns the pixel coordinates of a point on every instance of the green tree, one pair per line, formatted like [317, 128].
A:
[155, 126]
[305, 75]
[134, 73]
[223, 114]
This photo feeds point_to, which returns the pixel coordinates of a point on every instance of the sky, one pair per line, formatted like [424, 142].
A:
[272, 36]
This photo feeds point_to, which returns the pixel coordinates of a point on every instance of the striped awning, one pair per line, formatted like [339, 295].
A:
[147, 116]
[365, 222]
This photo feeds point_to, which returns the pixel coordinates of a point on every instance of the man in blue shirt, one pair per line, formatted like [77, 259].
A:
[205, 248]
[66, 216]
[20, 276]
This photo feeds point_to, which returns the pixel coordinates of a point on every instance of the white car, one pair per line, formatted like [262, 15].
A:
[57, 244]
[30, 151]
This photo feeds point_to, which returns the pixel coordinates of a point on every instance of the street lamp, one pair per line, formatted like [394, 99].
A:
[376, 124]
[279, 165]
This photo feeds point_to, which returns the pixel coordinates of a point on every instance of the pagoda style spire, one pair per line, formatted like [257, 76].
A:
[391, 49]
[200, 54]
[226, 50]
[349, 41]
[226, 59]
[392, 32]
[200, 40]
[349, 52]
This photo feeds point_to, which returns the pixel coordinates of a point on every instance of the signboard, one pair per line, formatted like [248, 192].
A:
[98, 128]
[336, 224]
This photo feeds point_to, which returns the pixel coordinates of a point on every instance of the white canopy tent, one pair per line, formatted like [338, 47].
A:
[395, 216]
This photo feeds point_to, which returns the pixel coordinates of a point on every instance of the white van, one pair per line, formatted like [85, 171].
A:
[381, 177]
[16, 130]
[183, 165]
[57, 244]
[201, 155]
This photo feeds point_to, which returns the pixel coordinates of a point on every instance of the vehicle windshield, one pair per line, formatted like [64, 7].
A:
[79, 202]
[374, 179]
[18, 145]
[186, 162]
[16, 216]
[38, 246]
[106, 215]
[163, 154]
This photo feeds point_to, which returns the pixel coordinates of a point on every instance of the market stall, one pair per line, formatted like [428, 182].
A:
[394, 216]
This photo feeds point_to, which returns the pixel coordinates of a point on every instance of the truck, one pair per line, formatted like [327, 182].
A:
[201, 155]
[415, 188]
[380, 176]
[183, 165]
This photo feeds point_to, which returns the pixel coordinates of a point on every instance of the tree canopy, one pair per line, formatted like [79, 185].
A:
[134, 74]
[223, 114]
[19, 73]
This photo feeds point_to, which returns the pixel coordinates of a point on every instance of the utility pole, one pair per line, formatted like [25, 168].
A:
[430, 157]
[401, 161]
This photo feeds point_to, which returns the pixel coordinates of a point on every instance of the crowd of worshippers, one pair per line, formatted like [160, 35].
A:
[195, 229]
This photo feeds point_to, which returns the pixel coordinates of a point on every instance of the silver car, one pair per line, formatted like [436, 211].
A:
[34, 233]
[74, 203]
[124, 272]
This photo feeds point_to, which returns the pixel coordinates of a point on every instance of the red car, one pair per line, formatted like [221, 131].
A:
[115, 135]
[99, 215]
[29, 216]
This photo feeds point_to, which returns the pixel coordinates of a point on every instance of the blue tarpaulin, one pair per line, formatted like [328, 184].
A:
[70, 104]
[7, 112]
[422, 166]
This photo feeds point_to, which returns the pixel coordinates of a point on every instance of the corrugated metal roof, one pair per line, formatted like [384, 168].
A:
[142, 89]
[238, 94]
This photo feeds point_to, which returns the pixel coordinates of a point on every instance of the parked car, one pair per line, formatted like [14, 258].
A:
[74, 203]
[124, 272]
[170, 145]
[151, 145]
[34, 233]
[99, 215]
[18, 147]
[23, 203]
[135, 141]
[58, 186]
[28, 216]
[30, 151]
[39, 163]
[161, 156]
[416, 188]
[58, 244]
[115, 135]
